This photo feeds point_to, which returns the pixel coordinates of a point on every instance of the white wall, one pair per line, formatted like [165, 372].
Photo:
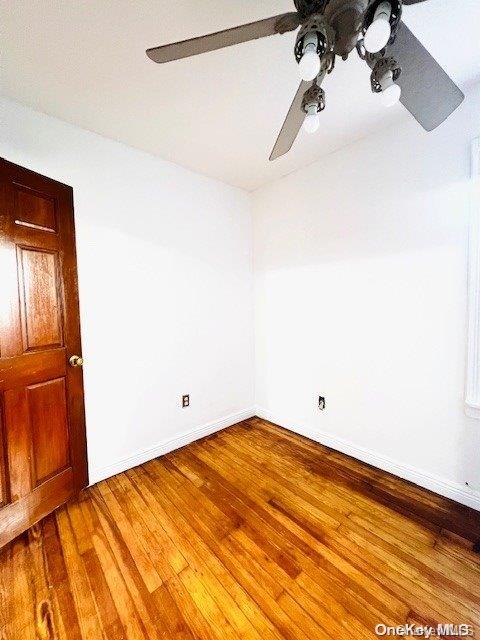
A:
[360, 267]
[165, 272]
[360, 270]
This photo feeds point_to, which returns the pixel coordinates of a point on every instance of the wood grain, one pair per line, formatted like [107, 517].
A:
[47, 402]
[254, 534]
[4, 497]
[34, 209]
[39, 301]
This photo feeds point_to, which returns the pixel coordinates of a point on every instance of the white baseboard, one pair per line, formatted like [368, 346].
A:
[161, 448]
[453, 490]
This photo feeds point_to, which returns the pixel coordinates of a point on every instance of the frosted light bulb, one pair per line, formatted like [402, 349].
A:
[309, 65]
[377, 36]
[391, 95]
[379, 32]
[312, 119]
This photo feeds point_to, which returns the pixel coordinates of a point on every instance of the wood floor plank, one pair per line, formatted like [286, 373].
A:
[311, 556]
[135, 609]
[197, 623]
[20, 606]
[253, 533]
[130, 533]
[403, 581]
[277, 531]
[89, 622]
[200, 556]
[168, 495]
[157, 545]
[215, 578]
[404, 496]
[173, 622]
[47, 620]
[426, 560]
[57, 576]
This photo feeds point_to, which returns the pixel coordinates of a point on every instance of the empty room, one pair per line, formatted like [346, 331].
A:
[239, 319]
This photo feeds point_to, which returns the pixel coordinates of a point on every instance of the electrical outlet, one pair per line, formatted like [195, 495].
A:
[185, 401]
[321, 403]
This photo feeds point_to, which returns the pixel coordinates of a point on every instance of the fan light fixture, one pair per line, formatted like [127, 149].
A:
[391, 92]
[312, 119]
[379, 32]
[391, 95]
[328, 30]
[312, 104]
[309, 65]
[384, 78]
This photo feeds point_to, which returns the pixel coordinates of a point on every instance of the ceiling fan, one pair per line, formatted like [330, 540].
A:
[401, 68]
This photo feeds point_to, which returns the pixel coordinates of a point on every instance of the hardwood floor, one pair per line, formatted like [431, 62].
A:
[254, 533]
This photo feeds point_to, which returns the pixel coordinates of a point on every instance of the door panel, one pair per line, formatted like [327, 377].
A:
[18, 444]
[39, 298]
[47, 406]
[44, 446]
[20, 514]
[34, 210]
[32, 368]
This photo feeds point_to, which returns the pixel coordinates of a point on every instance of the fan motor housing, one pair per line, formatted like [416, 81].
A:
[347, 19]
[307, 8]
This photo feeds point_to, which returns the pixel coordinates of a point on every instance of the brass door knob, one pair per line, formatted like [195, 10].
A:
[76, 361]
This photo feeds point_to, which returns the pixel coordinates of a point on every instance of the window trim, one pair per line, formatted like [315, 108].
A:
[472, 391]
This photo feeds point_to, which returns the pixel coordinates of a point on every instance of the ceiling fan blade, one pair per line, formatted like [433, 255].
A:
[407, 2]
[261, 29]
[427, 91]
[292, 124]
[294, 120]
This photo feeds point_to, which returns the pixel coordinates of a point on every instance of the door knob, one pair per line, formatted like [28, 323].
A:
[76, 361]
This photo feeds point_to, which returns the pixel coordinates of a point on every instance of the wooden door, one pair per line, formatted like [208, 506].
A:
[42, 426]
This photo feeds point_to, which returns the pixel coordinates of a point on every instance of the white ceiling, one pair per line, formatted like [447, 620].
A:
[219, 113]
